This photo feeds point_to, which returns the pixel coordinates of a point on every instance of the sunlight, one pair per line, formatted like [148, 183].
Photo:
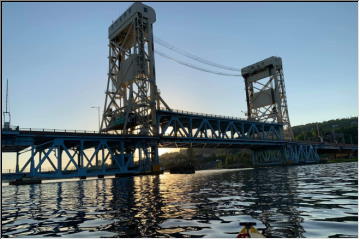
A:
[168, 150]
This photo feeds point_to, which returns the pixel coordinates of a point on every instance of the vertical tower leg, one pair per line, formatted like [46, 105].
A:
[17, 162]
[103, 158]
[32, 161]
[97, 159]
[155, 158]
[39, 161]
[81, 155]
[59, 160]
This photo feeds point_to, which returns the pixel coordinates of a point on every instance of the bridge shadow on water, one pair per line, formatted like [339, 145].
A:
[285, 201]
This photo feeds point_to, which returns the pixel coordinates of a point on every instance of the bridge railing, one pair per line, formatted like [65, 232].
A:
[202, 114]
[56, 130]
[3, 171]
[47, 130]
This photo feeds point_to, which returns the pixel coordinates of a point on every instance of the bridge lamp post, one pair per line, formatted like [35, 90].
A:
[98, 109]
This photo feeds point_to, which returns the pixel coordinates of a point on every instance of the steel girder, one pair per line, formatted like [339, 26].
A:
[291, 153]
[192, 126]
[78, 157]
[301, 153]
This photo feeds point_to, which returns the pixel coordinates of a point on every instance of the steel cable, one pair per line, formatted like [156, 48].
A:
[192, 56]
[196, 67]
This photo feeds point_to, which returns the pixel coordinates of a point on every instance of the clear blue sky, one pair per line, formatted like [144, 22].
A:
[55, 56]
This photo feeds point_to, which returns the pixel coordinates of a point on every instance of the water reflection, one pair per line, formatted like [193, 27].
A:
[275, 202]
[218, 202]
[301, 201]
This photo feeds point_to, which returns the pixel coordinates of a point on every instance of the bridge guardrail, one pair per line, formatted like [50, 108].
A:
[56, 130]
[16, 128]
[7, 171]
[203, 114]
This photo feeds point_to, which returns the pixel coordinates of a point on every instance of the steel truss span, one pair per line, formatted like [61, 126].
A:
[79, 155]
[75, 154]
[193, 126]
[290, 153]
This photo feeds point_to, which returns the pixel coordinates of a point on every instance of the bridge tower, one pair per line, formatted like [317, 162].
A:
[265, 93]
[131, 95]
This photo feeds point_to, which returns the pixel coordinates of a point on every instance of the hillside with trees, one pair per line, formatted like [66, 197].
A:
[343, 130]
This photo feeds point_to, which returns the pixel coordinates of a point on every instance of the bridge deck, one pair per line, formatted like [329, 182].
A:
[84, 153]
[19, 139]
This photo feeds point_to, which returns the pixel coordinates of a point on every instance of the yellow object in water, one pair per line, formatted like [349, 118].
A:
[249, 232]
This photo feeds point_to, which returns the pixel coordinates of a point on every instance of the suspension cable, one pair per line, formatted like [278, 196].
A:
[196, 67]
[192, 56]
[192, 66]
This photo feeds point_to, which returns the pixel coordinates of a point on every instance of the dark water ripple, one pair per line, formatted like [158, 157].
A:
[299, 201]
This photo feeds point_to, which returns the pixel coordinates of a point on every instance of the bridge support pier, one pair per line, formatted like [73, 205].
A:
[148, 157]
[17, 162]
[59, 160]
[290, 154]
[40, 169]
[32, 160]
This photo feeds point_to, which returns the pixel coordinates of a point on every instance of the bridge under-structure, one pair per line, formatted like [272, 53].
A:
[136, 121]
[91, 154]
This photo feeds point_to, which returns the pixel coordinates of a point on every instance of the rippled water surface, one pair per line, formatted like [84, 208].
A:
[299, 201]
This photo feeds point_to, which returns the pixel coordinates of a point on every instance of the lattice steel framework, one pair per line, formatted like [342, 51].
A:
[265, 93]
[85, 157]
[131, 97]
[291, 153]
[193, 126]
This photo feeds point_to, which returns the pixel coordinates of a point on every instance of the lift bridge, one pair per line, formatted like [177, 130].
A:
[136, 121]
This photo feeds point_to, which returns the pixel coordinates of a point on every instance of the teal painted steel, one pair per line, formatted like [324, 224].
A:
[116, 154]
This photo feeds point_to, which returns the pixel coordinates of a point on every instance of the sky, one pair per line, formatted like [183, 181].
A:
[55, 57]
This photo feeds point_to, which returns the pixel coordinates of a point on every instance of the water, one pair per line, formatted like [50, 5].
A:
[299, 201]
